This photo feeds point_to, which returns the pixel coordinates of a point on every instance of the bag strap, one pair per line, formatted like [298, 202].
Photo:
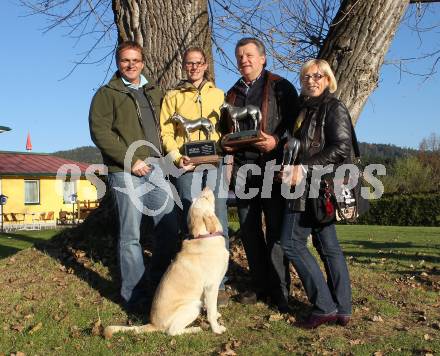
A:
[357, 152]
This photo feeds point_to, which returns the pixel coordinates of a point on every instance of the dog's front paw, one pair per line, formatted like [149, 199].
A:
[218, 329]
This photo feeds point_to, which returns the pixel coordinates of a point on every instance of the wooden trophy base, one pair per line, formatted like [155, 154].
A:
[242, 138]
[211, 159]
[201, 152]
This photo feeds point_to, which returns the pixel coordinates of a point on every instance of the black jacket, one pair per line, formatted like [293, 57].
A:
[332, 118]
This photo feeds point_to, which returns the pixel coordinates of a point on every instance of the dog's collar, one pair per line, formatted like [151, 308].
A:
[202, 236]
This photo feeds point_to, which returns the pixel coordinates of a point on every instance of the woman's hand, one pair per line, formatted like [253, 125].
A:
[186, 164]
[266, 145]
[292, 175]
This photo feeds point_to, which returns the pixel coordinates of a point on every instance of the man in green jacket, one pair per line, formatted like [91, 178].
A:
[124, 126]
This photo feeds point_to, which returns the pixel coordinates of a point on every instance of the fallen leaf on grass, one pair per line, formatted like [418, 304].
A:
[18, 353]
[35, 328]
[275, 317]
[377, 318]
[17, 327]
[356, 342]
[74, 332]
[427, 337]
[228, 348]
[97, 328]
[378, 353]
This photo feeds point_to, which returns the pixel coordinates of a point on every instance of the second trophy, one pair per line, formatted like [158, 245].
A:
[199, 151]
[250, 116]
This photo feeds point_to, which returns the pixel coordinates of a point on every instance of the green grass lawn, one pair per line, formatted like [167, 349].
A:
[51, 302]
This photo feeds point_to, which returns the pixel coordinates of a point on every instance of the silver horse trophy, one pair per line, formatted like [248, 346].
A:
[200, 151]
[235, 115]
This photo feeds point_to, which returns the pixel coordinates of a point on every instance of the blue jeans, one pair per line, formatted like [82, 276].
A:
[154, 202]
[333, 296]
[267, 264]
[190, 184]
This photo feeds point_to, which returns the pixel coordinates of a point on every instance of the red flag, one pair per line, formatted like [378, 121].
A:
[28, 143]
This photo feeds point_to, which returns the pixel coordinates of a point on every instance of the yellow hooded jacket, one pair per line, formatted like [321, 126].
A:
[191, 103]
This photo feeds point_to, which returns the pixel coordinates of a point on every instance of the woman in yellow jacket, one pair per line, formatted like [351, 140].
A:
[194, 98]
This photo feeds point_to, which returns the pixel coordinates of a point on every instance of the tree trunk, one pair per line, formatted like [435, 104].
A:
[164, 29]
[356, 45]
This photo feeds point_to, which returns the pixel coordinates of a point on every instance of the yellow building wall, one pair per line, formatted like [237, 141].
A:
[51, 196]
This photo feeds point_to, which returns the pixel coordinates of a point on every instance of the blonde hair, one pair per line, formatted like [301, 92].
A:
[324, 67]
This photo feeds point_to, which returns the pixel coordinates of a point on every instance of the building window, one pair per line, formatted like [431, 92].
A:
[69, 188]
[32, 192]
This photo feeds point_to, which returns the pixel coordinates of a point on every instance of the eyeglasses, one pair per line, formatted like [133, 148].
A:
[126, 61]
[315, 76]
[194, 64]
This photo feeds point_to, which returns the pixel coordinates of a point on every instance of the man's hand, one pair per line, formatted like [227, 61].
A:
[292, 176]
[226, 149]
[140, 168]
[266, 145]
[185, 163]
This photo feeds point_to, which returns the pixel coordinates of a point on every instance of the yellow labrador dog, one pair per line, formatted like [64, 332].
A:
[193, 276]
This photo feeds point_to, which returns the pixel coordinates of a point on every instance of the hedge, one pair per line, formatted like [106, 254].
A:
[421, 209]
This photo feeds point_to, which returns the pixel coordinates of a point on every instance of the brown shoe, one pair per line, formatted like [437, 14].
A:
[222, 298]
[315, 320]
[343, 320]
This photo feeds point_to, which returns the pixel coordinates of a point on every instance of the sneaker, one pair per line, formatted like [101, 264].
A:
[222, 298]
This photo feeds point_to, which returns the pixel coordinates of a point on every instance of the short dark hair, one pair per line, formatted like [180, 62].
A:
[246, 40]
[128, 45]
[259, 44]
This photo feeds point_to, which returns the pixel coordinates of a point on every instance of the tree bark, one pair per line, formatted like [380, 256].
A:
[164, 29]
[356, 45]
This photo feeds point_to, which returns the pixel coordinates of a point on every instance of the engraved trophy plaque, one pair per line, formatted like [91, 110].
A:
[199, 151]
[236, 114]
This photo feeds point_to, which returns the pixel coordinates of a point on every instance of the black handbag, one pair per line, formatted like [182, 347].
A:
[349, 204]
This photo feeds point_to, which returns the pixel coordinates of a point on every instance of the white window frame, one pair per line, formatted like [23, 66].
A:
[37, 181]
[67, 198]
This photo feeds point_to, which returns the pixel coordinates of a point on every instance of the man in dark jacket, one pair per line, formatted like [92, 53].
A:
[123, 115]
[278, 101]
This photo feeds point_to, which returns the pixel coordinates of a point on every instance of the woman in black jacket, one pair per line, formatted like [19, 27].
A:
[323, 128]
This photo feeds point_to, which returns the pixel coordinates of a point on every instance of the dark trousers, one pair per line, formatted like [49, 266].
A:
[327, 297]
[268, 267]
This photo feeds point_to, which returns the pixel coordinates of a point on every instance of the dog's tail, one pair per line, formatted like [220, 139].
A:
[111, 329]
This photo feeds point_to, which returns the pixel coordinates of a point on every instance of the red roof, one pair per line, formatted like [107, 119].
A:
[18, 163]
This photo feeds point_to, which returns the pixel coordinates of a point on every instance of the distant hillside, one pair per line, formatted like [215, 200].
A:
[370, 152]
[87, 154]
[384, 150]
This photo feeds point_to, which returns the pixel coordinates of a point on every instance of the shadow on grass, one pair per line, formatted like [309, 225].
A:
[6, 251]
[399, 251]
